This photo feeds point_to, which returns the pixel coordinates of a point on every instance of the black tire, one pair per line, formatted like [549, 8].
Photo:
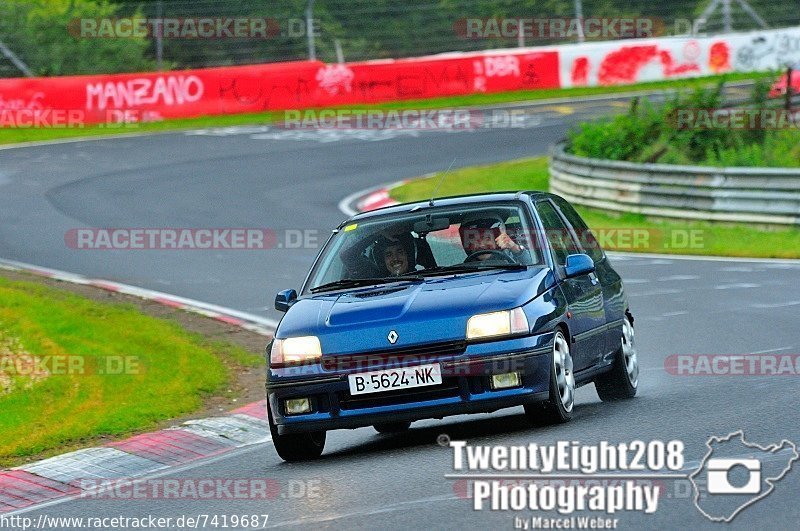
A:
[622, 381]
[557, 409]
[297, 446]
[392, 427]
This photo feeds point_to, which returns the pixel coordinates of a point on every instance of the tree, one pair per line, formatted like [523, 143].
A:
[45, 35]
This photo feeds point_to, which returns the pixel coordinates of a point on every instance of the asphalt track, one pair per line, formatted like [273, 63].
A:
[282, 180]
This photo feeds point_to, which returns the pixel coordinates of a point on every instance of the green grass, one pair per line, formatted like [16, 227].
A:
[662, 236]
[165, 372]
[522, 174]
[13, 136]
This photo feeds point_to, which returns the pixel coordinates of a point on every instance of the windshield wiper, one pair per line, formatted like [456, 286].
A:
[511, 267]
[358, 282]
[466, 268]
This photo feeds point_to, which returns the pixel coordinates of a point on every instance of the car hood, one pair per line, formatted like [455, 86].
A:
[433, 311]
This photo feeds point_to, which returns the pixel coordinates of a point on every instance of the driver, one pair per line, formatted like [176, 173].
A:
[487, 234]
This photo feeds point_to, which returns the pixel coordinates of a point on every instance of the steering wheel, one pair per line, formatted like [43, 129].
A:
[494, 252]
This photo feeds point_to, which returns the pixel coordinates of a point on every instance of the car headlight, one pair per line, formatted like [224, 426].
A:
[497, 324]
[295, 351]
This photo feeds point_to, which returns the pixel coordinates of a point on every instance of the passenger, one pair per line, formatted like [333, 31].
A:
[395, 254]
[389, 255]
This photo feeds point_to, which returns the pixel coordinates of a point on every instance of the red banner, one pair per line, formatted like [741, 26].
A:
[43, 102]
[377, 81]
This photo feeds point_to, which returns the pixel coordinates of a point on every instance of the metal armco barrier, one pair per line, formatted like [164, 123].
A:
[745, 195]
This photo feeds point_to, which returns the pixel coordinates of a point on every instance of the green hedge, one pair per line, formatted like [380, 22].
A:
[650, 133]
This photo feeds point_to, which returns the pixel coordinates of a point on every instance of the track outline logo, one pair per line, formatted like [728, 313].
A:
[729, 463]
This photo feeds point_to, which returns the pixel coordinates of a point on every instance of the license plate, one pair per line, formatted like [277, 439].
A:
[395, 379]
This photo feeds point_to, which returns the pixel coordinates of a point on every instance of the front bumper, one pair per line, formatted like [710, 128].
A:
[465, 389]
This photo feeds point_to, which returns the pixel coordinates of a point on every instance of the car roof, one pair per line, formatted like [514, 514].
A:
[456, 200]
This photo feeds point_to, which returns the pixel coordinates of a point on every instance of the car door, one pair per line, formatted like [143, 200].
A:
[610, 281]
[584, 292]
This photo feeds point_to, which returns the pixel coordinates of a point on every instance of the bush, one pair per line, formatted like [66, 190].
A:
[647, 133]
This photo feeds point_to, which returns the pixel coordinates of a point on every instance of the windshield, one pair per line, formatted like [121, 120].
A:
[418, 244]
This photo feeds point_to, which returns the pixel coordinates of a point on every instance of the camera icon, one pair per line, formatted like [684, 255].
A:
[719, 481]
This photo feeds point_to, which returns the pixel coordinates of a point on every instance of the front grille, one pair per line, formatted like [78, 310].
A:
[447, 389]
[409, 355]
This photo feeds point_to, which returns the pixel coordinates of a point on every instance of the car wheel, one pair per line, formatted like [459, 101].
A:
[622, 380]
[297, 446]
[558, 407]
[392, 427]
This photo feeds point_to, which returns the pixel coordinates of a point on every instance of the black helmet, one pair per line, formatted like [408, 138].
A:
[382, 243]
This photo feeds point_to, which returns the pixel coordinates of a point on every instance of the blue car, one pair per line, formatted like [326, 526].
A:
[456, 305]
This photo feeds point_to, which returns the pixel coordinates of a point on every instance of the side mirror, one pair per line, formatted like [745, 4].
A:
[579, 264]
[284, 300]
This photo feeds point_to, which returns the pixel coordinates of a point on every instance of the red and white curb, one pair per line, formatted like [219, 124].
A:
[371, 199]
[44, 482]
[80, 473]
[376, 200]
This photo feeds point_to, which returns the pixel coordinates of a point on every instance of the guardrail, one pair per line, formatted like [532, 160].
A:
[768, 196]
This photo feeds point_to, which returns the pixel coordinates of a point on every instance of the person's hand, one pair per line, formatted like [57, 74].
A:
[505, 242]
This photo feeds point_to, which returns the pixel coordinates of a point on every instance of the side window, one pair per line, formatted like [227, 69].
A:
[557, 233]
[585, 236]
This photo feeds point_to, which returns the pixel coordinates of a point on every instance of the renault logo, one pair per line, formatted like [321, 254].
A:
[392, 337]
